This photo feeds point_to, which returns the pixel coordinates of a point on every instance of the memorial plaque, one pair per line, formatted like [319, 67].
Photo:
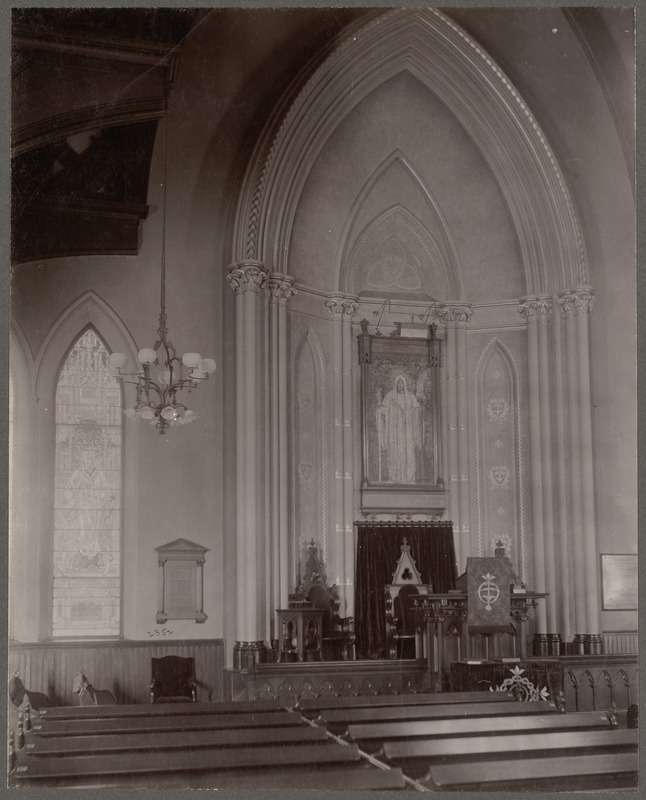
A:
[619, 573]
[180, 590]
[181, 581]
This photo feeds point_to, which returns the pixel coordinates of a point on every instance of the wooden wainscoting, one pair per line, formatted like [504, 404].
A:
[122, 667]
[620, 642]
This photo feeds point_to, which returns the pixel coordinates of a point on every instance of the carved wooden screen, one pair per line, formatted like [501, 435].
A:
[87, 510]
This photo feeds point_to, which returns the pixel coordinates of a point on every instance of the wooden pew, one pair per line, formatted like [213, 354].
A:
[562, 773]
[310, 706]
[186, 740]
[158, 710]
[140, 768]
[338, 719]
[330, 779]
[187, 722]
[372, 735]
[417, 757]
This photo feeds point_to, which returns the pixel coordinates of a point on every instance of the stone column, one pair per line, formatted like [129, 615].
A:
[343, 309]
[456, 317]
[280, 288]
[336, 554]
[531, 309]
[346, 590]
[576, 305]
[248, 279]
[463, 315]
[537, 312]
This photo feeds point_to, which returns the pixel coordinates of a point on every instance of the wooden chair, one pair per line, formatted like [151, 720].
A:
[338, 640]
[173, 680]
[18, 694]
[403, 638]
[88, 695]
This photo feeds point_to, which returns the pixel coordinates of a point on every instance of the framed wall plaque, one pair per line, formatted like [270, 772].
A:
[181, 581]
[400, 392]
[619, 580]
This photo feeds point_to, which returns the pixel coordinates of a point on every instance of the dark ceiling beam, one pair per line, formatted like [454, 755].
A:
[92, 46]
[98, 116]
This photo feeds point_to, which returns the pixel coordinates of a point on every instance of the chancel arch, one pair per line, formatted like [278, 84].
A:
[439, 54]
[459, 207]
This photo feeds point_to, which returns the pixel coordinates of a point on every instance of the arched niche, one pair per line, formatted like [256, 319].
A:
[500, 467]
[309, 452]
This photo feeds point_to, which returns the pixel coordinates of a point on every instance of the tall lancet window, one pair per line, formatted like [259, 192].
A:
[87, 518]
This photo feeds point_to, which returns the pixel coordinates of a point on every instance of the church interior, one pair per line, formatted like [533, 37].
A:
[322, 398]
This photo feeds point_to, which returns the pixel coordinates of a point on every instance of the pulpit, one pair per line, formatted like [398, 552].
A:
[300, 634]
[455, 620]
[334, 633]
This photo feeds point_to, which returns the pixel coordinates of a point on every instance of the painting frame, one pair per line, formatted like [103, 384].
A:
[619, 577]
[401, 422]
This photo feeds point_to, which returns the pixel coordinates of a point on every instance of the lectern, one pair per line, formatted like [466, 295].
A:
[458, 615]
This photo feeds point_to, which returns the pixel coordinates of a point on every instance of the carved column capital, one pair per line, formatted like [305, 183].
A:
[455, 313]
[280, 288]
[536, 309]
[576, 301]
[247, 276]
[342, 306]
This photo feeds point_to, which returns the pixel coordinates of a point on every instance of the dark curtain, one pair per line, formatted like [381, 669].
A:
[378, 550]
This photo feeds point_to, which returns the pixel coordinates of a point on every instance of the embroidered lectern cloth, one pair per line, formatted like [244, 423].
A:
[488, 590]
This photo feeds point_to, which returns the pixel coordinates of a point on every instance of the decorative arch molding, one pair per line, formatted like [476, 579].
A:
[21, 361]
[88, 309]
[436, 51]
[499, 457]
[444, 256]
[309, 351]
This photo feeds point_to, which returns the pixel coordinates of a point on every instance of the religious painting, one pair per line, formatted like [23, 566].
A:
[401, 406]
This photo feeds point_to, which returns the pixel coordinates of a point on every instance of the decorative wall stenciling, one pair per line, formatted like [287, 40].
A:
[396, 269]
[310, 452]
[87, 506]
[396, 255]
[498, 456]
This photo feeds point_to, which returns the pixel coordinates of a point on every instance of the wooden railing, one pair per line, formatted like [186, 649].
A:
[122, 667]
[599, 683]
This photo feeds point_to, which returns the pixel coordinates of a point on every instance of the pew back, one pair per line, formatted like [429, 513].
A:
[172, 722]
[417, 756]
[562, 773]
[488, 726]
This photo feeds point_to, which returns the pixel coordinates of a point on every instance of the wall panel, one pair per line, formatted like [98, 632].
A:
[121, 667]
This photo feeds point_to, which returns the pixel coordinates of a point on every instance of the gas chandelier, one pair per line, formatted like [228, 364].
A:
[156, 400]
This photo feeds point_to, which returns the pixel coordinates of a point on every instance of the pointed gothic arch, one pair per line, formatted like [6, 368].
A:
[443, 253]
[87, 311]
[428, 45]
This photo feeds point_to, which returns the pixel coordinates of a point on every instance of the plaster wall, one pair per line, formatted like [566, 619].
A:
[353, 181]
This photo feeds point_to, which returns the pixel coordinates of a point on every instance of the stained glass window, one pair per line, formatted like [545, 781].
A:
[87, 517]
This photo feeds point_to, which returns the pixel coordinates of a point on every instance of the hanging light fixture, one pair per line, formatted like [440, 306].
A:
[156, 399]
